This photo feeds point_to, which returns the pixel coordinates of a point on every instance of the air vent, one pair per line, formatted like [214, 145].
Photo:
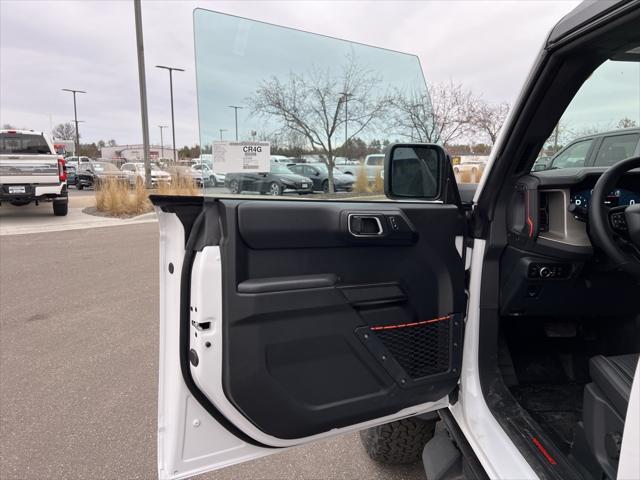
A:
[543, 212]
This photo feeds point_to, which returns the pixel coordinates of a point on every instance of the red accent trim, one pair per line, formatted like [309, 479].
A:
[412, 324]
[543, 450]
[529, 220]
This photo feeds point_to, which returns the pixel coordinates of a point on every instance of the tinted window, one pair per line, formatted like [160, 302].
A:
[614, 149]
[573, 156]
[23, 144]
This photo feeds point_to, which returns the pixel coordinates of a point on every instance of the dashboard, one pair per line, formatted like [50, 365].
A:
[616, 198]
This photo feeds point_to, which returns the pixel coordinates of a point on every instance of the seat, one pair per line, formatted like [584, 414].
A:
[605, 407]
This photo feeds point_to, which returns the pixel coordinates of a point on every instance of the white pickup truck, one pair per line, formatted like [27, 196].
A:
[31, 171]
[372, 165]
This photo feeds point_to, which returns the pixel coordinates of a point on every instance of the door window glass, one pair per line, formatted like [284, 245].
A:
[282, 95]
[614, 149]
[572, 156]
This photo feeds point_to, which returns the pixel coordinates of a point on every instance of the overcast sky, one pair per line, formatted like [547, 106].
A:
[90, 45]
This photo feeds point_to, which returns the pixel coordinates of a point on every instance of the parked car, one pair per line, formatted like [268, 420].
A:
[372, 165]
[91, 174]
[135, 171]
[319, 175]
[31, 171]
[195, 175]
[598, 150]
[78, 160]
[275, 182]
[211, 178]
[473, 165]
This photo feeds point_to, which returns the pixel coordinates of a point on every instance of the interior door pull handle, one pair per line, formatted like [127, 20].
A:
[365, 225]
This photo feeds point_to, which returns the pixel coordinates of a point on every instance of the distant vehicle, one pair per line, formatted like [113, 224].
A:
[135, 171]
[31, 171]
[598, 150]
[212, 178]
[275, 182]
[473, 164]
[196, 175]
[92, 173]
[71, 174]
[280, 159]
[372, 165]
[319, 175]
[78, 160]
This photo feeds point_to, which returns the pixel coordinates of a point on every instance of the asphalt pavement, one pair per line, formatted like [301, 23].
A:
[78, 366]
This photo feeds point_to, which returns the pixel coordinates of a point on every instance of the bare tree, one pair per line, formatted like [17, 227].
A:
[626, 122]
[312, 105]
[488, 119]
[64, 131]
[444, 116]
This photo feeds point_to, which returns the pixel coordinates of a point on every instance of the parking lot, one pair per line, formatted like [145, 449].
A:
[78, 366]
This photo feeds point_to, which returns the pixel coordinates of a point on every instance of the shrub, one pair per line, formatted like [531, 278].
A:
[378, 185]
[362, 182]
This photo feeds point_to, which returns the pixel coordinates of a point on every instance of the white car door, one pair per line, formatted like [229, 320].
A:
[285, 321]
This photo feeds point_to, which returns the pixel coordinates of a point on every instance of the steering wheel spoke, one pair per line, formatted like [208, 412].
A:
[616, 230]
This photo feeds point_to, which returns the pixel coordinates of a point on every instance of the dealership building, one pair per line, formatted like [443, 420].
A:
[135, 153]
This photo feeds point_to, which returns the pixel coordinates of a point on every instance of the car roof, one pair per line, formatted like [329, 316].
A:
[618, 131]
[20, 130]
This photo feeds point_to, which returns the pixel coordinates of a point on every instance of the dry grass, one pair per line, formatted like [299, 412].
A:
[117, 198]
[362, 182]
[378, 184]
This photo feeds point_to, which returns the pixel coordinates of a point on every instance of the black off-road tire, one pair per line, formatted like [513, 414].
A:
[60, 209]
[399, 442]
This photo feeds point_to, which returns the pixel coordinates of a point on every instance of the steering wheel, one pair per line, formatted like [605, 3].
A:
[616, 230]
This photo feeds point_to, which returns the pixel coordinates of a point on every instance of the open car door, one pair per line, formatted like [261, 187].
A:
[284, 321]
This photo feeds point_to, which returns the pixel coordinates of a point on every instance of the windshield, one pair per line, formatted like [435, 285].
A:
[15, 143]
[601, 125]
[268, 95]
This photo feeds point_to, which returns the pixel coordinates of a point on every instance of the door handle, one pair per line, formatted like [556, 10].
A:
[363, 225]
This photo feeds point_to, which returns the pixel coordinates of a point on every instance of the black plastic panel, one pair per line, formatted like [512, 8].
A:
[300, 348]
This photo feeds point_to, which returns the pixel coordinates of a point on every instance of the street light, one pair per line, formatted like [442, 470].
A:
[236, 107]
[75, 115]
[173, 125]
[161, 141]
[345, 98]
[222, 130]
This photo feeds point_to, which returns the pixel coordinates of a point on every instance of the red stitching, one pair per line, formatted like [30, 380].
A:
[412, 324]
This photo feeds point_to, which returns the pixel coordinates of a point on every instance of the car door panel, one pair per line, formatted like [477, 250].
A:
[334, 330]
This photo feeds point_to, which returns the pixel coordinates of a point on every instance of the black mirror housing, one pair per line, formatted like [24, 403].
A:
[419, 171]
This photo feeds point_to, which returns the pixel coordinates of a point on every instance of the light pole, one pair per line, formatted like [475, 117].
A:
[161, 141]
[221, 131]
[236, 107]
[345, 98]
[173, 124]
[75, 116]
[142, 86]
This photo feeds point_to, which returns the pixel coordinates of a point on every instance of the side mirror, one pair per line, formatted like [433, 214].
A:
[419, 171]
[317, 174]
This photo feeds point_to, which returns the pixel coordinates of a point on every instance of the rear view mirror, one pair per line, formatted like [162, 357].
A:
[415, 171]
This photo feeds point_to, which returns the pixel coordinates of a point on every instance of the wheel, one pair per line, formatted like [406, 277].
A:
[212, 181]
[274, 189]
[60, 209]
[234, 186]
[79, 186]
[398, 442]
[325, 186]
